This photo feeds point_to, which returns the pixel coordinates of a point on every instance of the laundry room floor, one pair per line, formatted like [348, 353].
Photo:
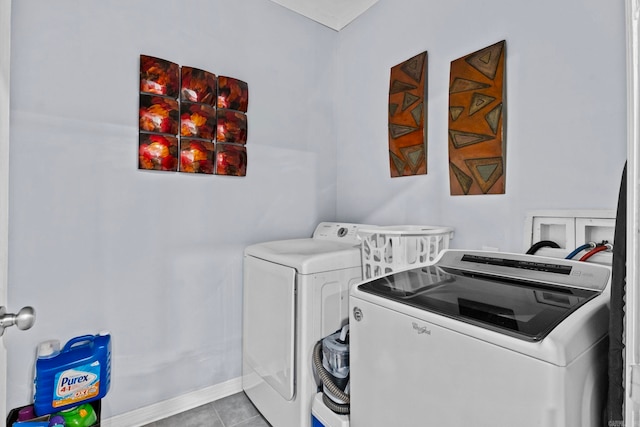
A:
[231, 411]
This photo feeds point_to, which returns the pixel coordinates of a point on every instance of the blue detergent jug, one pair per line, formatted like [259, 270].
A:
[77, 374]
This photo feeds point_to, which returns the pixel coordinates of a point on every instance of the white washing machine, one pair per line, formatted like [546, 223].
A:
[481, 339]
[295, 293]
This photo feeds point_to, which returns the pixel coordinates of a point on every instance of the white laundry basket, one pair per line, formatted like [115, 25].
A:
[393, 248]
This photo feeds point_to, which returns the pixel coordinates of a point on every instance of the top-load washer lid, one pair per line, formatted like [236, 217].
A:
[520, 296]
[308, 256]
[334, 246]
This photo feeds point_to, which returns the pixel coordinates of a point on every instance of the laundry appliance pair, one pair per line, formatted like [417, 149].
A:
[478, 338]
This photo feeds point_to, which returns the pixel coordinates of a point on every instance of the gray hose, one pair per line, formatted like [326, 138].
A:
[327, 381]
[342, 409]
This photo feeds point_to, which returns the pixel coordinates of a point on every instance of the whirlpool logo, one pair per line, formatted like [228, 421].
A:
[421, 329]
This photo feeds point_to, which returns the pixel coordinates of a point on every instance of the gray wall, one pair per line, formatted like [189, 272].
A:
[155, 258]
[565, 107]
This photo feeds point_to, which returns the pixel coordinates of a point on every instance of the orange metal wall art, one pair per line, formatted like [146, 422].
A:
[408, 117]
[476, 113]
[190, 120]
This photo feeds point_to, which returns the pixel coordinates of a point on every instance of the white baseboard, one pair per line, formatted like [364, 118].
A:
[170, 407]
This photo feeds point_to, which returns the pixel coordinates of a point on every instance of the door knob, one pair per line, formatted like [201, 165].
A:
[25, 318]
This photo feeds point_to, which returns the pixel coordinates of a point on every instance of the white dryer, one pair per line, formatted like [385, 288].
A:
[481, 339]
[295, 293]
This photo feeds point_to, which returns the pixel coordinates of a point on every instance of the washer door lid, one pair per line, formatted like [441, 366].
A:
[269, 323]
[308, 256]
[508, 305]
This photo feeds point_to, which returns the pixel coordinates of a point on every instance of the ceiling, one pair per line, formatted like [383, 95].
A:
[335, 14]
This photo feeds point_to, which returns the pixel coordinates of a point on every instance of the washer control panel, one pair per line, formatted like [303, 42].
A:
[338, 231]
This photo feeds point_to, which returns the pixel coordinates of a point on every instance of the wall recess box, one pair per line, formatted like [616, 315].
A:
[570, 229]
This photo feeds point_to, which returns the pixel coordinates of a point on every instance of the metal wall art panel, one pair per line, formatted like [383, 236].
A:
[193, 113]
[158, 114]
[233, 94]
[232, 126]
[198, 86]
[159, 76]
[197, 120]
[476, 114]
[231, 159]
[196, 156]
[408, 117]
[158, 152]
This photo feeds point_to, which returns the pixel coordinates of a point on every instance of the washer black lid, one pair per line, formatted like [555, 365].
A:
[521, 308]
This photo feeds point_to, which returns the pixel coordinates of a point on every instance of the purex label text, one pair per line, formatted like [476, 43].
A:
[71, 381]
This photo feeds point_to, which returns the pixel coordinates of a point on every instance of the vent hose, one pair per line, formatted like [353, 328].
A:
[327, 381]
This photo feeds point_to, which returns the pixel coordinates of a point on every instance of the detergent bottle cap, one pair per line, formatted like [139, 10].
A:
[48, 348]
[56, 420]
[26, 413]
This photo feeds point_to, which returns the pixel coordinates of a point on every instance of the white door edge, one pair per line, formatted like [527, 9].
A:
[5, 57]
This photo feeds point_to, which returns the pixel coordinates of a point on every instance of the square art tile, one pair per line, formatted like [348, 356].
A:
[158, 152]
[158, 114]
[231, 159]
[198, 86]
[231, 127]
[233, 94]
[197, 120]
[196, 156]
[159, 76]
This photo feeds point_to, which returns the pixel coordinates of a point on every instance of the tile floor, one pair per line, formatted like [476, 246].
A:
[231, 411]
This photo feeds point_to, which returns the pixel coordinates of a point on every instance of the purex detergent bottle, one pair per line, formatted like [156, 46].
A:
[77, 374]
